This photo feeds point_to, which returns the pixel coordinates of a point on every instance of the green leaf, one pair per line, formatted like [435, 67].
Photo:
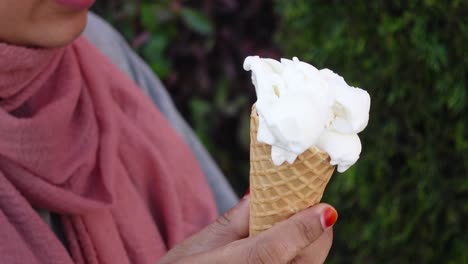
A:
[153, 51]
[148, 17]
[197, 21]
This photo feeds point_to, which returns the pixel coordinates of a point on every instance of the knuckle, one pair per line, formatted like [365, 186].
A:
[309, 231]
[221, 225]
[297, 260]
[224, 220]
[267, 253]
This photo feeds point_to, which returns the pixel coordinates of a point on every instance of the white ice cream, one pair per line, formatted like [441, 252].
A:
[300, 107]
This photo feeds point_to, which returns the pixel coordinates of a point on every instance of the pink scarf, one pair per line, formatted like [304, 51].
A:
[79, 138]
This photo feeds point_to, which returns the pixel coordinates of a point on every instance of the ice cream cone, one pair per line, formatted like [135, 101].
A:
[278, 192]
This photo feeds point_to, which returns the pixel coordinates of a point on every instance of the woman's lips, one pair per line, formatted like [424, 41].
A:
[77, 4]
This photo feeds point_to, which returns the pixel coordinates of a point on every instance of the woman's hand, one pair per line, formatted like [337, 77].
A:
[304, 238]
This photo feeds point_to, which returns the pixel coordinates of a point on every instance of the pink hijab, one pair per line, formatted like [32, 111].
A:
[79, 138]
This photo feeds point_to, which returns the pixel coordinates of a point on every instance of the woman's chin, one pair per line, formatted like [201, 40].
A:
[53, 34]
[62, 35]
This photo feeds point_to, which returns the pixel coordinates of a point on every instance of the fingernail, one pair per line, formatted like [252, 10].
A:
[247, 193]
[329, 217]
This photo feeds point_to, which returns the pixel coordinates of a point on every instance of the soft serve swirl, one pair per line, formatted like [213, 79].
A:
[300, 107]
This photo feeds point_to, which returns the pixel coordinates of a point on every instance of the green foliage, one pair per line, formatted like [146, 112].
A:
[152, 26]
[406, 199]
[196, 21]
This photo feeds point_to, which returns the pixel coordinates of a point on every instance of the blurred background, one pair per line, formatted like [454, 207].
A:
[406, 200]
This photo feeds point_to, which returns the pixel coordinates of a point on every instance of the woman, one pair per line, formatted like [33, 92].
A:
[79, 140]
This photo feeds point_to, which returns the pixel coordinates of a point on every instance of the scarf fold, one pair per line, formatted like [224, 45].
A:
[79, 138]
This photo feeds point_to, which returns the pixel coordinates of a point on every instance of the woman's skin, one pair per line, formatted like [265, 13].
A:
[41, 23]
[304, 238]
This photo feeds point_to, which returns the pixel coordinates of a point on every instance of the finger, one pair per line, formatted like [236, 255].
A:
[278, 245]
[285, 240]
[317, 252]
[232, 226]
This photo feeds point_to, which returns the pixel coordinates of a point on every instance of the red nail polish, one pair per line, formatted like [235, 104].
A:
[329, 217]
[247, 193]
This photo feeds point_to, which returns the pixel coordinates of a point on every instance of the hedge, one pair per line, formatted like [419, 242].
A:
[406, 199]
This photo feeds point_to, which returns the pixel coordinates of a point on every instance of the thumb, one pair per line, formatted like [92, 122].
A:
[231, 226]
[284, 241]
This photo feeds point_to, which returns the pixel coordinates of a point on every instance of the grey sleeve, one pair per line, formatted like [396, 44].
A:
[109, 41]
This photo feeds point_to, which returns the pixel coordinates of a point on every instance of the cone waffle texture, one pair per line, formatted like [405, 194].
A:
[278, 192]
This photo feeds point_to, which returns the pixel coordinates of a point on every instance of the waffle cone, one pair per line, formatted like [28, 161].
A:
[278, 192]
